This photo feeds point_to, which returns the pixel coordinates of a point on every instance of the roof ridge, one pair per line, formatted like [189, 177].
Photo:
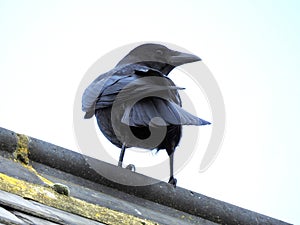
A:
[181, 199]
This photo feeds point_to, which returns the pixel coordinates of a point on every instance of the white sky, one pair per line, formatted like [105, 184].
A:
[251, 47]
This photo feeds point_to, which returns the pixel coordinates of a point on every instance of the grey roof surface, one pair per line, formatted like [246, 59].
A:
[29, 163]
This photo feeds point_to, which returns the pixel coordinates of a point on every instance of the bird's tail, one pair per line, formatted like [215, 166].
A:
[143, 112]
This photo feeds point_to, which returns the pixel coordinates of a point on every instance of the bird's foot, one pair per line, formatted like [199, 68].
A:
[173, 181]
[131, 167]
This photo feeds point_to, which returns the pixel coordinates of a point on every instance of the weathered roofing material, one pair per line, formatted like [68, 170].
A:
[39, 165]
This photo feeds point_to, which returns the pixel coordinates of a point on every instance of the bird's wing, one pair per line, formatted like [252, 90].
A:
[169, 113]
[131, 86]
[103, 82]
[91, 94]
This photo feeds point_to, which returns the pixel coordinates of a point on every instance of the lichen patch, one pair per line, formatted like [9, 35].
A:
[21, 153]
[48, 196]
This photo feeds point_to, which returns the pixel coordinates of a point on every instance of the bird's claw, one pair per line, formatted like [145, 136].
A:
[173, 181]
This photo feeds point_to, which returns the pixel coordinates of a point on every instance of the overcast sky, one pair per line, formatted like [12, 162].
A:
[251, 48]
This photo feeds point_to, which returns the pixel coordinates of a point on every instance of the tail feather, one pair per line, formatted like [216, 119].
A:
[145, 110]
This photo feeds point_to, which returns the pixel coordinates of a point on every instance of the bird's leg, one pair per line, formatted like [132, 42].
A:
[172, 180]
[122, 155]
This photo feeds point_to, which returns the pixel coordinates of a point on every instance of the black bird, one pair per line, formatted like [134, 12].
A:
[137, 105]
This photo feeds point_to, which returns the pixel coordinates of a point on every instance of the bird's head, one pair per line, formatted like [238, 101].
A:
[158, 57]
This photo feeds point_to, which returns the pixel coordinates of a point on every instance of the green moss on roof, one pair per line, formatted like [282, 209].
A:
[21, 155]
[21, 152]
[51, 198]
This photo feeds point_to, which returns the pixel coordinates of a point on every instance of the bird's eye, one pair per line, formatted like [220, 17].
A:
[159, 52]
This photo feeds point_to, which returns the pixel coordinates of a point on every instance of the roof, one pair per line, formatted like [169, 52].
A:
[41, 183]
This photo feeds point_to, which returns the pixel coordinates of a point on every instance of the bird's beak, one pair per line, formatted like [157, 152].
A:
[180, 58]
